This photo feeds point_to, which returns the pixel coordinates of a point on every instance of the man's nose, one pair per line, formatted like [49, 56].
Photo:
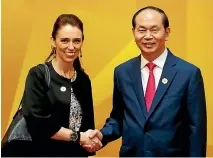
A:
[148, 34]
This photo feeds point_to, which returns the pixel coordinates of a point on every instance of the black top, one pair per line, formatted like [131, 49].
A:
[46, 110]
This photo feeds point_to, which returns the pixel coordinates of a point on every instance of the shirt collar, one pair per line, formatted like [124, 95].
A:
[159, 62]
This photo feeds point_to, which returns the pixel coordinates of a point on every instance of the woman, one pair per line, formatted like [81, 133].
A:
[58, 116]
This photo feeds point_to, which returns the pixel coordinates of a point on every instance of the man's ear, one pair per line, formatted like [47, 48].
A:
[167, 33]
[133, 31]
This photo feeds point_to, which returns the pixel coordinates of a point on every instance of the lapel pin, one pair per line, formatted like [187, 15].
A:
[63, 89]
[164, 80]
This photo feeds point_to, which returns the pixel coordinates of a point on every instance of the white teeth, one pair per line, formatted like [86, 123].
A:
[148, 44]
[70, 54]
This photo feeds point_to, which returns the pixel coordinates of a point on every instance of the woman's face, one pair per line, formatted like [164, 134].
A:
[68, 43]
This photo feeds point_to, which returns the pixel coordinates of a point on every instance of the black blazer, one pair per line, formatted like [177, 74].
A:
[46, 109]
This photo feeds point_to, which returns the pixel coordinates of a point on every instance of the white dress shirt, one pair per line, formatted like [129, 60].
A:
[159, 62]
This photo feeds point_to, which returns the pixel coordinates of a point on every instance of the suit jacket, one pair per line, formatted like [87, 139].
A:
[176, 123]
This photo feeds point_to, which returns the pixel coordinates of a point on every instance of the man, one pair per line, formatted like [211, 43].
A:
[159, 104]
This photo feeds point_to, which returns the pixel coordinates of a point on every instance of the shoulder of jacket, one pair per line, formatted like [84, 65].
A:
[37, 71]
[83, 75]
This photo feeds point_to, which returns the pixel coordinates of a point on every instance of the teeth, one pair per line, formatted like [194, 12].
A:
[70, 54]
[148, 44]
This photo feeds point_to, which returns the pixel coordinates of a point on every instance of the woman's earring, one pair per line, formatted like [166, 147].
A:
[81, 54]
[53, 50]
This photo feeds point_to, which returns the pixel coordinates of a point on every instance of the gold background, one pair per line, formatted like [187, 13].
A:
[27, 26]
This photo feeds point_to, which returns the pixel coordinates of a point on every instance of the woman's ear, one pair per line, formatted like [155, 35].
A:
[52, 41]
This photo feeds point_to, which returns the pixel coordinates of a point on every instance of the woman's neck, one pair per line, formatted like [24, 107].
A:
[64, 69]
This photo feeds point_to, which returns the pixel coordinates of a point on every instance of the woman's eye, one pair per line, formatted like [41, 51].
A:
[64, 40]
[76, 41]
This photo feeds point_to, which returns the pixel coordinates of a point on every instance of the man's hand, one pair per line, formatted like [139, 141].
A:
[96, 133]
[90, 142]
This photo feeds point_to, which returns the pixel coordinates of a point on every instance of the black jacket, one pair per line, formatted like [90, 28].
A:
[46, 110]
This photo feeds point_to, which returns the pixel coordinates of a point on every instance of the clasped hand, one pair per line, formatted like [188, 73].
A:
[91, 140]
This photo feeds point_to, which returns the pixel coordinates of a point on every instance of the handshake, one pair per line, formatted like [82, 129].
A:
[91, 140]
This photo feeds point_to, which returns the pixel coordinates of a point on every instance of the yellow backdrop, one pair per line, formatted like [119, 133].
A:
[27, 26]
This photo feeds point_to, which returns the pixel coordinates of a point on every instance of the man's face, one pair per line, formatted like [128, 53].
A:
[150, 34]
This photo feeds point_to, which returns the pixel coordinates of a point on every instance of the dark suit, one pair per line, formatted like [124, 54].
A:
[176, 122]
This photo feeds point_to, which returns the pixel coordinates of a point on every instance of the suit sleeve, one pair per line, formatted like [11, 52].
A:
[113, 126]
[196, 106]
[36, 107]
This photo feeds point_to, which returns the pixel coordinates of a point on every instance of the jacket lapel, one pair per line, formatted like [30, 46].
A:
[167, 76]
[135, 74]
